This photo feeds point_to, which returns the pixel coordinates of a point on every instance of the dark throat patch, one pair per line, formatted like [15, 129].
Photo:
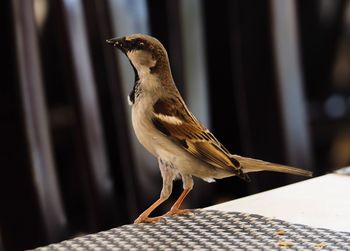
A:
[134, 91]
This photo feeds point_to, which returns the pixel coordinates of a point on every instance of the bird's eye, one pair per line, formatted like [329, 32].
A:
[141, 43]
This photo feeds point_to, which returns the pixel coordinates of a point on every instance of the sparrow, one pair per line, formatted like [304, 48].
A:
[164, 125]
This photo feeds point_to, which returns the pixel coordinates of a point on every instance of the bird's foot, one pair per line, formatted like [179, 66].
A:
[177, 211]
[148, 219]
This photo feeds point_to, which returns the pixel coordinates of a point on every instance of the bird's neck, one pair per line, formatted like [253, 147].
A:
[153, 80]
[154, 84]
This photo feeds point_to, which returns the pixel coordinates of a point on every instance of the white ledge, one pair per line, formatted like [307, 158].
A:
[322, 202]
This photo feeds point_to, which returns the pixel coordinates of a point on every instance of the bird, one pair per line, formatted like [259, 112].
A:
[165, 126]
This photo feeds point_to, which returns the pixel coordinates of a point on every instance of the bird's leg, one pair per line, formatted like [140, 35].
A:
[175, 209]
[143, 218]
[168, 176]
[187, 186]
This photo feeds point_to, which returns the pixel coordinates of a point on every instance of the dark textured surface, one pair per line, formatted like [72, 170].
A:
[211, 230]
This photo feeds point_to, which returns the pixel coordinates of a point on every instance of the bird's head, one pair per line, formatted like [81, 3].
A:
[146, 54]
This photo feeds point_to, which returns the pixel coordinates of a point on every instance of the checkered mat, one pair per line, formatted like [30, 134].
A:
[211, 230]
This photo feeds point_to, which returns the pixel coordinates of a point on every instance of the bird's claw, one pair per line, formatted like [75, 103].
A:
[179, 212]
[148, 219]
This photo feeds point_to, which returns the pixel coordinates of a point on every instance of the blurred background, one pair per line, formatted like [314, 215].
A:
[271, 79]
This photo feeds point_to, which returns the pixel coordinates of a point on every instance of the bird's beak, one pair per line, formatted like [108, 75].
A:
[118, 42]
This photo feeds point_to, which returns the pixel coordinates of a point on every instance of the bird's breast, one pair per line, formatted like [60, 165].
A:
[145, 132]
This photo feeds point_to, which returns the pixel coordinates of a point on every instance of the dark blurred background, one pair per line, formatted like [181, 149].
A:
[271, 79]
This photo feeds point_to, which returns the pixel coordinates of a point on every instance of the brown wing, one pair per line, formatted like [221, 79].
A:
[173, 119]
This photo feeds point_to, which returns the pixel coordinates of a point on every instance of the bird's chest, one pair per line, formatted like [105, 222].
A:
[141, 115]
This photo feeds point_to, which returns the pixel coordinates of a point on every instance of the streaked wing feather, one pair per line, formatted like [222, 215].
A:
[209, 153]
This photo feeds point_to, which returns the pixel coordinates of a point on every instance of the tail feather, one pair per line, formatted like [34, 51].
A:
[254, 165]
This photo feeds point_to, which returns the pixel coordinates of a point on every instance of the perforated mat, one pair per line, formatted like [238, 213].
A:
[210, 230]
